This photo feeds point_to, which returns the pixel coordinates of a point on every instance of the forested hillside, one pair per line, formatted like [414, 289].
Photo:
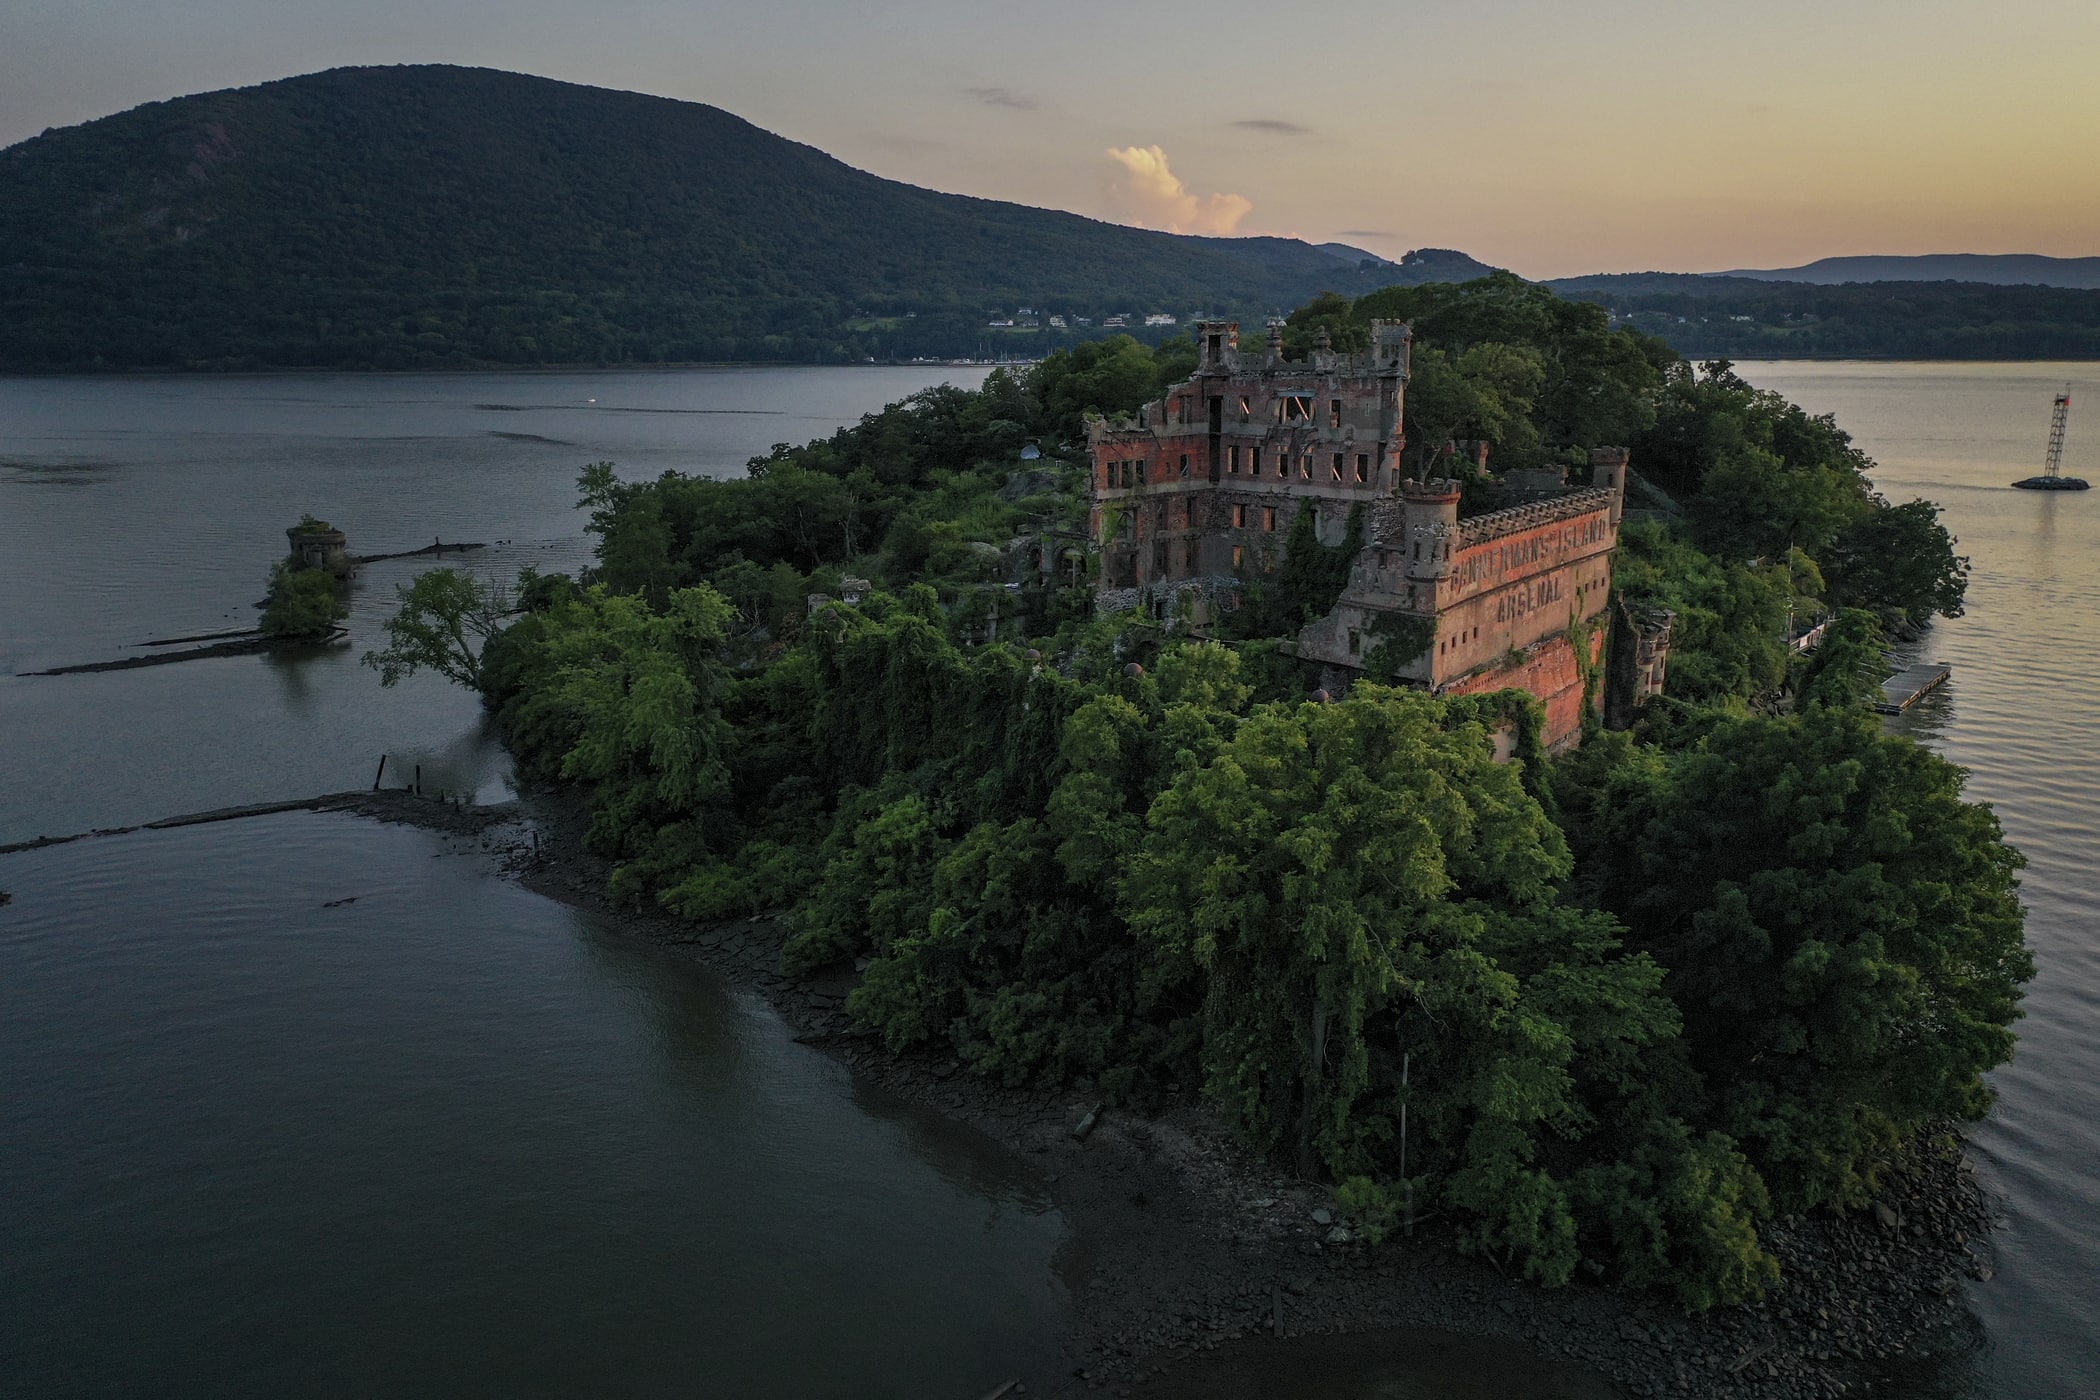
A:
[1750, 319]
[430, 216]
[1635, 1002]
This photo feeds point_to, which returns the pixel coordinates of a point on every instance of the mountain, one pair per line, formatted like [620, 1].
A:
[1993, 269]
[430, 215]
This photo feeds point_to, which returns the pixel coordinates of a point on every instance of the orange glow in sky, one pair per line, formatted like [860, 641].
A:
[1550, 136]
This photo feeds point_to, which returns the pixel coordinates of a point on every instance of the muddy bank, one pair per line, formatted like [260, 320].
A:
[1188, 1261]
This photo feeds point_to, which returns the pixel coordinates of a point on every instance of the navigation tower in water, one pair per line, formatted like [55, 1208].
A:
[2050, 480]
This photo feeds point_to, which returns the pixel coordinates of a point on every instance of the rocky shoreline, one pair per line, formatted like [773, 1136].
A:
[1184, 1249]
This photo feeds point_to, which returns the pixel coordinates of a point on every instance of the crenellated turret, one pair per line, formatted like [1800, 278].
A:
[1432, 525]
[1608, 473]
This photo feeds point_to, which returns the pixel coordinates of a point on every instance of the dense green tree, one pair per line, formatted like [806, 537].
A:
[1842, 934]
[302, 603]
[1900, 559]
[1847, 666]
[445, 620]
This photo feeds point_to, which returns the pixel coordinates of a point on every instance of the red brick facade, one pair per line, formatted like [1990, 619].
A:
[1203, 488]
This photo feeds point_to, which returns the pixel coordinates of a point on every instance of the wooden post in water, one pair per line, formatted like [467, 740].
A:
[419, 780]
[382, 770]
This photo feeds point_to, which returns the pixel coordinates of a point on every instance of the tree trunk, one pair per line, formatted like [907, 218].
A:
[1316, 1060]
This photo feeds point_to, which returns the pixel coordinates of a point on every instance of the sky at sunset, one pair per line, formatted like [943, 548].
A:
[1552, 138]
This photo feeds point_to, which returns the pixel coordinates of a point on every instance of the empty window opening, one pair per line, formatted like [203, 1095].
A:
[1355, 642]
[1159, 559]
[1232, 460]
[1217, 415]
[1336, 466]
[1217, 346]
[1305, 467]
[1239, 554]
[1246, 408]
[1363, 466]
[1268, 517]
[1254, 461]
[1184, 465]
[1141, 473]
[1334, 413]
[1239, 517]
[1296, 408]
[1189, 557]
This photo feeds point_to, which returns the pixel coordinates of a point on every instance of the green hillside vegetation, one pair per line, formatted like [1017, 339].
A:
[1748, 319]
[1646, 995]
[437, 216]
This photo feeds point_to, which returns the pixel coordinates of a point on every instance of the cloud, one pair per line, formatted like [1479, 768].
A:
[1365, 233]
[1143, 191]
[1003, 97]
[1274, 125]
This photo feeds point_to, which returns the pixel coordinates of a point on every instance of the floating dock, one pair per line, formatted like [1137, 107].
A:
[1912, 684]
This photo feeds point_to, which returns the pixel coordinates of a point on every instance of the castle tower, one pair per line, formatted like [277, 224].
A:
[1217, 346]
[1608, 473]
[1392, 347]
[1432, 522]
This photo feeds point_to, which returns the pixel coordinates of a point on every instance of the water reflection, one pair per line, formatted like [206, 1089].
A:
[453, 1138]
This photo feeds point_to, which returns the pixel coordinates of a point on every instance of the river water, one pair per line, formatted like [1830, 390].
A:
[453, 1138]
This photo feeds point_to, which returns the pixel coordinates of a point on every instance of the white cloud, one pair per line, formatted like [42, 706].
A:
[1143, 191]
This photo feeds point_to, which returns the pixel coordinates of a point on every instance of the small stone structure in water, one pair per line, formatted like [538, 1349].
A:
[318, 545]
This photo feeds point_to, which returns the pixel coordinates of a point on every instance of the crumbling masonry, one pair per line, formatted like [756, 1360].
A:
[1200, 491]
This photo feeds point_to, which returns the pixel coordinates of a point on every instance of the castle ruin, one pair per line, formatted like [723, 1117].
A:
[1200, 491]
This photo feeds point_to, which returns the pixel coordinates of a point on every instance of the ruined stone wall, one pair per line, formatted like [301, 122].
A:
[1210, 478]
[1509, 590]
[1552, 670]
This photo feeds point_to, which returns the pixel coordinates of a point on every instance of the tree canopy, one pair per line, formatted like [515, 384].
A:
[1633, 999]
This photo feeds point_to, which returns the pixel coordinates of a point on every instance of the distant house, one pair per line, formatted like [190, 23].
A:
[1114, 321]
[1159, 318]
[1057, 323]
[1082, 320]
[1000, 325]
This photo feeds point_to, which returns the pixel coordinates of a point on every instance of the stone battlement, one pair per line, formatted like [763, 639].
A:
[1532, 514]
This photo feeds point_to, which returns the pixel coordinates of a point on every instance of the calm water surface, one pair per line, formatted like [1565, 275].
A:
[152, 507]
[453, 1138]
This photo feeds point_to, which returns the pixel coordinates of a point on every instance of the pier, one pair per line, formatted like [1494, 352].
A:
[1912, 684]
